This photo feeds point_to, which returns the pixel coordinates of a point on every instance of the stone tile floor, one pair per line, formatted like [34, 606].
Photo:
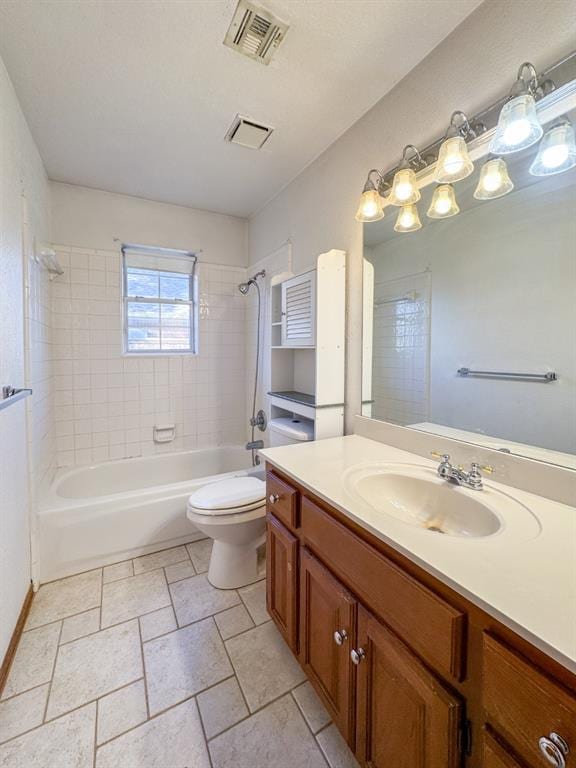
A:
[144, 664]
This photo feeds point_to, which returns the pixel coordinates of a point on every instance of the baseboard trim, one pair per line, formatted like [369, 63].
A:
[15, 639]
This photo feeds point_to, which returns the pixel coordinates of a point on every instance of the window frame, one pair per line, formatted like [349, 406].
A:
[192, 301]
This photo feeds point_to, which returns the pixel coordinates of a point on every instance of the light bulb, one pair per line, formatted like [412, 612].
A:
[442, 206]
[454, 162]
[443, 203]
[404, 188]
[403, 191]
[557, 151]
[554, 157]
[408, 219]
[494, 180]
[518, 126]
[516, 132]
[371, 206]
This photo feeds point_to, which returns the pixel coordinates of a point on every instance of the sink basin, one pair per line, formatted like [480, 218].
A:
[416, 496]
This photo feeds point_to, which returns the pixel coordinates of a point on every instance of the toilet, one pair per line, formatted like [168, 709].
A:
[232, 512]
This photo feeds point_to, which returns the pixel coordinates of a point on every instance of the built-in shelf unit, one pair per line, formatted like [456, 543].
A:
[307, 324]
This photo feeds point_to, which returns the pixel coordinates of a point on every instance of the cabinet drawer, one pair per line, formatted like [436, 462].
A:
[495, 755]
[282, 500]
[432, 627]
[524, 704]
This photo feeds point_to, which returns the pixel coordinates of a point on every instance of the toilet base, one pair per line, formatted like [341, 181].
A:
[234, 565]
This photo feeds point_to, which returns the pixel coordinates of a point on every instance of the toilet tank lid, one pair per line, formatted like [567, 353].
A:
[228, 494]
[294, 427]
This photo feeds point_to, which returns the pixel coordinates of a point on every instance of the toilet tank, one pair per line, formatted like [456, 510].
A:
[290, 430]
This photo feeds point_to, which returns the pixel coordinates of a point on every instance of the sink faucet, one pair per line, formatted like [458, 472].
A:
[472, 479]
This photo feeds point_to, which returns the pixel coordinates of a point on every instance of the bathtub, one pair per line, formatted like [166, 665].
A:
[103, 514]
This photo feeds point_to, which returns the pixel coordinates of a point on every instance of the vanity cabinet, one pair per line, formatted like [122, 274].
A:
[494, 755]
[532, 712]
[282, 579]
[405, 716]
[412, 673]
[327, 636]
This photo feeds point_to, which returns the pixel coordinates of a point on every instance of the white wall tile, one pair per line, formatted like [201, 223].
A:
[107, 404]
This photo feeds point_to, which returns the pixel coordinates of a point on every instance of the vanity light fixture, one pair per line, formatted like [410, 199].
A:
[443, 203]
[454, 163]
[557, 151]
[518, 124]
[371, 207]
[404, 186]
[408, 219]
[494, 180]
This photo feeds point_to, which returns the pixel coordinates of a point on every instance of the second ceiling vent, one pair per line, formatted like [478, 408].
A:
[255, 32]
[248, 133]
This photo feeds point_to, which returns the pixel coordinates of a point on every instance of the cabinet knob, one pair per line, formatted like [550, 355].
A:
[554, 748]
[340, 636]
[273, 498]
[357, 655]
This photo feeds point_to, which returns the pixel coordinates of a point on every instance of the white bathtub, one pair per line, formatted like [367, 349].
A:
[94, 516]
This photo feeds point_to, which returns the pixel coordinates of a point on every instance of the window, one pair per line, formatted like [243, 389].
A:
[160, 301]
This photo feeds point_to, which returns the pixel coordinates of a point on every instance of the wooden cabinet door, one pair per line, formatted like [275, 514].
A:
[405, 716]
[327, 621]
[495, 755]
[282, 580]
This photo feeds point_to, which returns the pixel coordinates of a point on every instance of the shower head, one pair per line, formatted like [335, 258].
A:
[245, 287]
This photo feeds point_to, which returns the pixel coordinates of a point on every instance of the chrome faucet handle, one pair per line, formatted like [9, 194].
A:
[474, 478]
[486, 469]
[444, 469]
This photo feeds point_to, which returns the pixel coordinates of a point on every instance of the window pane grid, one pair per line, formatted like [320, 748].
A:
[159, 310]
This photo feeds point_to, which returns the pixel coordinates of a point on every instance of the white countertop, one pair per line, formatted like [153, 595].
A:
[529, 585]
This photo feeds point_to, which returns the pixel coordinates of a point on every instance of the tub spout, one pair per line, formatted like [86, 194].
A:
[255, 445]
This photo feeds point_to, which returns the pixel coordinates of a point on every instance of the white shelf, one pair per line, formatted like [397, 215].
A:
[320, 371]
[286, 346]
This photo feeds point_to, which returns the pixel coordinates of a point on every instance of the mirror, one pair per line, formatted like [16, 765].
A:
[455, 311]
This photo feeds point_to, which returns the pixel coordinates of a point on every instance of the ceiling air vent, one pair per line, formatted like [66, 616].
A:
[254, 32]
[248, 133]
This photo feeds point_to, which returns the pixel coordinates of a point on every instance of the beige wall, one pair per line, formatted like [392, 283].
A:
[91, 218]
[472, 68]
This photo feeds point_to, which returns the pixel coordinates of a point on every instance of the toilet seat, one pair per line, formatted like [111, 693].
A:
[228, 497]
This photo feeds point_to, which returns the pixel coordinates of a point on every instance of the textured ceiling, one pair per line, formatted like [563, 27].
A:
[135, 96]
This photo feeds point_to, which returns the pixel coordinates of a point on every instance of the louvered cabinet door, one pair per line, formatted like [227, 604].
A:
[299, 311]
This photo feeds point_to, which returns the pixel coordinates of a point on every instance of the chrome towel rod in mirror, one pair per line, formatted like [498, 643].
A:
[544, 377]
[11, 395]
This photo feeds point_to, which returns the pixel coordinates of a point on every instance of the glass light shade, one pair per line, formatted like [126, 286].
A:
[454, 162]
[408, 219]
[556, 153]
[443, 203]
[404, 188]
[518, 126]
[494, 180]
[371, 207]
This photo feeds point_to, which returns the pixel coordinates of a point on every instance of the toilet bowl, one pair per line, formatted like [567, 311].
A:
[232, 512]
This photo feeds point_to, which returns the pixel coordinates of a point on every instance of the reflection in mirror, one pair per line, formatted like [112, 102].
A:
[457, 309]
